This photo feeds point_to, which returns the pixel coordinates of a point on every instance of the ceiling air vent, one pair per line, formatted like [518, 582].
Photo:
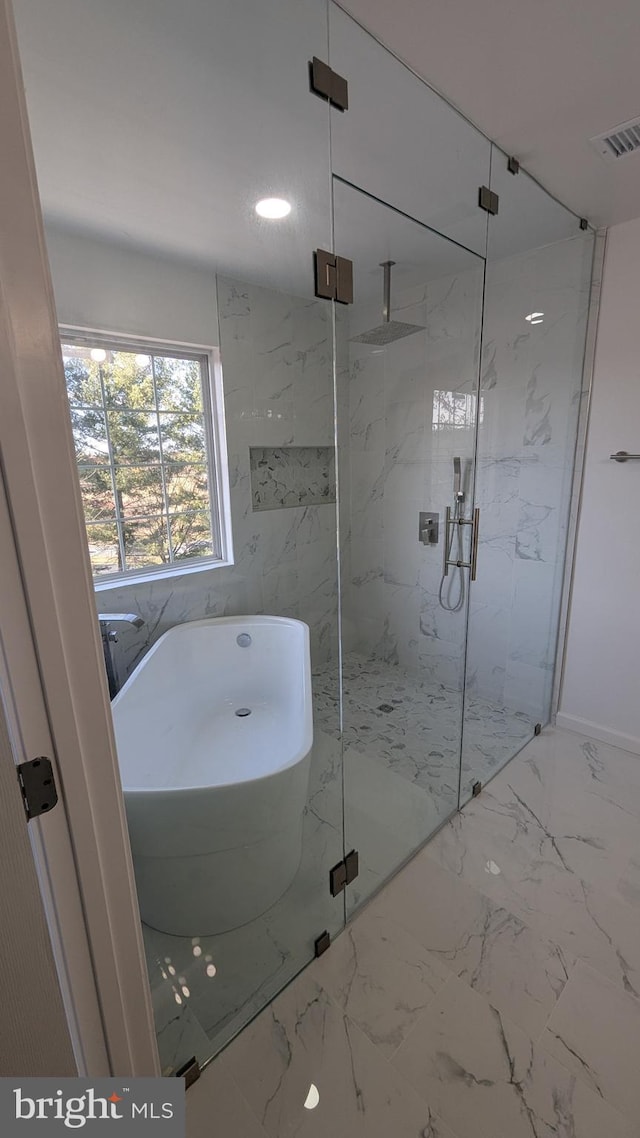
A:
[619, 142]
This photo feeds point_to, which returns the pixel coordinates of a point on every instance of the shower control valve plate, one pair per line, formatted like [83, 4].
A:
[428, 527]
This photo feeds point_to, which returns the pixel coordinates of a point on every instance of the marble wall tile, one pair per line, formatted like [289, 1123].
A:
[277, 362]
[529, 401]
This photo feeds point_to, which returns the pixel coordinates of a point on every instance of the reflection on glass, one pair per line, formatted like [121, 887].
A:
[313, 1098]
[456, 409]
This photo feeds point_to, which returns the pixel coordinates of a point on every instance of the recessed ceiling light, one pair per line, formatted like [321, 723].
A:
[98, 355]
[535, 317]
[273, 208]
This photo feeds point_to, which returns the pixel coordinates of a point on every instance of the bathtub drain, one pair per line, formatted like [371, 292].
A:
[242, 711]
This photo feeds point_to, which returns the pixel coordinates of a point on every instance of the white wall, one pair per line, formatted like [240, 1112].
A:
[601, 686]
[102, 285]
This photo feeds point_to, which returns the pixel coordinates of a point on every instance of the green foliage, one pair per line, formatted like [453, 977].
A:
[140, 440]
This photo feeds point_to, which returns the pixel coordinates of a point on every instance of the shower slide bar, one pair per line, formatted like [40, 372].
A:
[623, 456]
[474, 522]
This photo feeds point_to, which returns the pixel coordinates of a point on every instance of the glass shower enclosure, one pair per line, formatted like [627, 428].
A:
[400, 459]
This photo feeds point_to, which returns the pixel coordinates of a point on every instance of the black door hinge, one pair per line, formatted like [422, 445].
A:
[334, 277]
[328, 84]
[39, 794]
[537, 729]
[476, 788]
[189, 1071]
[343, 873]
[321, 943]
[513, 166]
[584, 224]
[488, 199]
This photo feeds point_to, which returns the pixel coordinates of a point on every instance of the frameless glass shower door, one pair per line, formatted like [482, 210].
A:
[407, 355]
[152, 158]
[535, 313]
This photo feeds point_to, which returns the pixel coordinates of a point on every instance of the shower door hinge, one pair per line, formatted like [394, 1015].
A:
[584, 224]
[39, 794]
[537, 729]
[343, 873]
[334, 277]
[328, 84]
[488, 199]
[321, 943]
[513, 166]
[189, 1071]
[476, 788]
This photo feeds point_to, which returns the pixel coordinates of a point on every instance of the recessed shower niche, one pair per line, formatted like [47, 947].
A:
[284, 477]
[335, 440]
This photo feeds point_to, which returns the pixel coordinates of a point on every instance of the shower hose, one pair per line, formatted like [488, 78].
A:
[452, 599]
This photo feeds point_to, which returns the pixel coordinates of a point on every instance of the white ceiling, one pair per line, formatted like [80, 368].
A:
[157, 124]
[539, 77]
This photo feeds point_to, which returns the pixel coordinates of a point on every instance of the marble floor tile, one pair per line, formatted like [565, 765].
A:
[487, 1079]
[561, 817]
[491, 949]
[595, 1031]
[306, 1069]
[215, 1106]
[488, 991]
[629, 882]
[522, 867]
[381, 976]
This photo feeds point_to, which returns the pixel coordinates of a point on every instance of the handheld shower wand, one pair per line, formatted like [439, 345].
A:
[448, 602]
[458, 493]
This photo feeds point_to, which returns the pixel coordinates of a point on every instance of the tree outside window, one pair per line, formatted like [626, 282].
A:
[143, 439]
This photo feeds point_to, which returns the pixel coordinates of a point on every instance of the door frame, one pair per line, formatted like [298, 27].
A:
[82, 853]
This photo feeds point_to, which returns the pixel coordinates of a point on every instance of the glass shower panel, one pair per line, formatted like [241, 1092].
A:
[402, 142]
[172, 122]
[407, 354]
[536, 302]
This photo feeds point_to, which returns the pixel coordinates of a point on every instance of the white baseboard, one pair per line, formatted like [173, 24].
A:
[603, 734]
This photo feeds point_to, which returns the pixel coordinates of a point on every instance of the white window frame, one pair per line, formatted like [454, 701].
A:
[217, 455]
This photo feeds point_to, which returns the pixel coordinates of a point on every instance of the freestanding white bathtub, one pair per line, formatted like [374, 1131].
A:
[214, 731]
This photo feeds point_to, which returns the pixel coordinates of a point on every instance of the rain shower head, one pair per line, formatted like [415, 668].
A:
[390, 330]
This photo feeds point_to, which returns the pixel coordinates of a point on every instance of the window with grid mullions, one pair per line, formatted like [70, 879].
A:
[142, 418]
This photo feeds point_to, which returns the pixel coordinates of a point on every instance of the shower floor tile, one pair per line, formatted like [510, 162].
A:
[490, 990]
[413, 727]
